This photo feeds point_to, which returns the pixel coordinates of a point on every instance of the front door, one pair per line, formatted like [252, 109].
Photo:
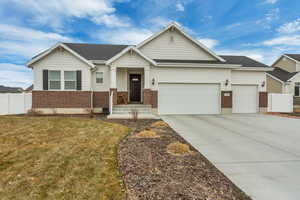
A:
[135, 87]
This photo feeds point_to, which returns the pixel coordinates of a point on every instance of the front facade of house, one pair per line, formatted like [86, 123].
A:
[285, 78]
[170, 71]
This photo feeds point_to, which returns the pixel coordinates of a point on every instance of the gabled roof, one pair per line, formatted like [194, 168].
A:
[58, 45]
[177, 27]
[128, 49]
[294, 56]
[242, 61]
[281, 74]
[96, 51]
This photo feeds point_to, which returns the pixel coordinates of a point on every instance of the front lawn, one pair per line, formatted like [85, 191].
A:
[59, 158]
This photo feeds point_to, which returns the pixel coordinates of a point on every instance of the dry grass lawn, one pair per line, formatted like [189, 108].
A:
[147, 134]
[59, 158]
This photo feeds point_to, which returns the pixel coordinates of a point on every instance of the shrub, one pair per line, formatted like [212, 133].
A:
[147, 134]
[159, 124]
[178, 148]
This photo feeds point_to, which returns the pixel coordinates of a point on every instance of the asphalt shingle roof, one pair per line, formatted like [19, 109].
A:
[282, 74]
[238, 60]
[294, 56]
[96, 51]
[107, 51]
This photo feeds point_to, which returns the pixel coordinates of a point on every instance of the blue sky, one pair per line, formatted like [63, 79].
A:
[261, 29]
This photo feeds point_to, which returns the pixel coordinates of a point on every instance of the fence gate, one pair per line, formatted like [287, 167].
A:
[12, 104]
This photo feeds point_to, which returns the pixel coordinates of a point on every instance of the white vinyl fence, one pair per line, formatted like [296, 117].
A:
[280, 103]
[11, 104]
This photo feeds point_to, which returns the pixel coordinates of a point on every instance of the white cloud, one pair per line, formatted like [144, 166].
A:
[210, 43]
[290, 27]
[293, 40]
[15, 75]
[179, 7]
[271, 1]
[131, 36]
[26, 42]
[54, 12]
[269, 18]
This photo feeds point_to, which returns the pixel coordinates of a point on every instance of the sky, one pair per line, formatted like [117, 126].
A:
[260, 29]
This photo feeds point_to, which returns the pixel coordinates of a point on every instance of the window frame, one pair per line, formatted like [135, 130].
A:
[99, 78]
[297, 84]
[64, 81]
[49, 80]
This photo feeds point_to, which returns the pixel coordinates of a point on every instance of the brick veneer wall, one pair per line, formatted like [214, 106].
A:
[101, 99]
[61, 99]
[122, 96]
[263, 99]
[150, 97]
[226, 100]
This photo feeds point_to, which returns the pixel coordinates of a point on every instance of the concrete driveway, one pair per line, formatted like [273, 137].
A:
[259, 153]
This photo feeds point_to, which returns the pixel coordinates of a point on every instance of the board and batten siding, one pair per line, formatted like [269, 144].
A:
[62, 61]
[174, 45]
[190, 75]
[249, 78]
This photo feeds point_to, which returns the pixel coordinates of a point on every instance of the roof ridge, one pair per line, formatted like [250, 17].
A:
[96, 44]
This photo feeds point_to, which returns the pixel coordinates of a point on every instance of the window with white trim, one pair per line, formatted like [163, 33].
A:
[99, 77]
[70, 80]
[54, 80]
[297, 89]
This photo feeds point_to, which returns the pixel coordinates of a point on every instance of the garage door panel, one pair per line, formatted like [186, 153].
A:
[245, 99]
[188, 98]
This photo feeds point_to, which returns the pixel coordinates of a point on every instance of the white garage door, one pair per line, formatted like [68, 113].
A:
[244, 99]
[182, 98]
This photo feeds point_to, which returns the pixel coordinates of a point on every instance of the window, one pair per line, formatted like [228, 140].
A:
[70, 80]
[99, 77]
[54, 80]
[297, 89]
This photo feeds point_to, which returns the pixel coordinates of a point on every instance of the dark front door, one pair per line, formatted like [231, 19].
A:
[135, 87]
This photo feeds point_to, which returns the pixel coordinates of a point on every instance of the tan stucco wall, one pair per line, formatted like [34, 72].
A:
[273, 86]
[286, 64]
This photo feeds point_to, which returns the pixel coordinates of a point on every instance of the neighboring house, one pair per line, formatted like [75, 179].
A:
[5, 89]
[285, 78]
[170, 71]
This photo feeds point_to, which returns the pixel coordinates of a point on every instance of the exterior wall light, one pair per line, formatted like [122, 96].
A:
[263, 84]
[153, 81]
[226, 82]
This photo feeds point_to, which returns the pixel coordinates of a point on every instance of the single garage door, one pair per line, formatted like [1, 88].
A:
[180, 98]
[244, 99]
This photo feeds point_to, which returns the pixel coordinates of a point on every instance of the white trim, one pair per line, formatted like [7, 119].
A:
[127, 49]
[198, 65]
[175, 25]
[273, 77]
[265, 69]
[53, 48]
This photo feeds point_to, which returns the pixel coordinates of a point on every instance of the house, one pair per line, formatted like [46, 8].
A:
[285, 78]
[5, 89]
[170, 73]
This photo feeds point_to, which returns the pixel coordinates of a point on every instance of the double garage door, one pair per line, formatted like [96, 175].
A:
[181, 98]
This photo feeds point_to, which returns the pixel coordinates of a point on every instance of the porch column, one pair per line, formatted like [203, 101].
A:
[113, 83]
[147, 91]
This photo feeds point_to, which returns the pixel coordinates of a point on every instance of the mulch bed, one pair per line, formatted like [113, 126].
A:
[149, 172]
[288, 115]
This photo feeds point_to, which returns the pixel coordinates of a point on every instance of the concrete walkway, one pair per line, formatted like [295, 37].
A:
[259, 153]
